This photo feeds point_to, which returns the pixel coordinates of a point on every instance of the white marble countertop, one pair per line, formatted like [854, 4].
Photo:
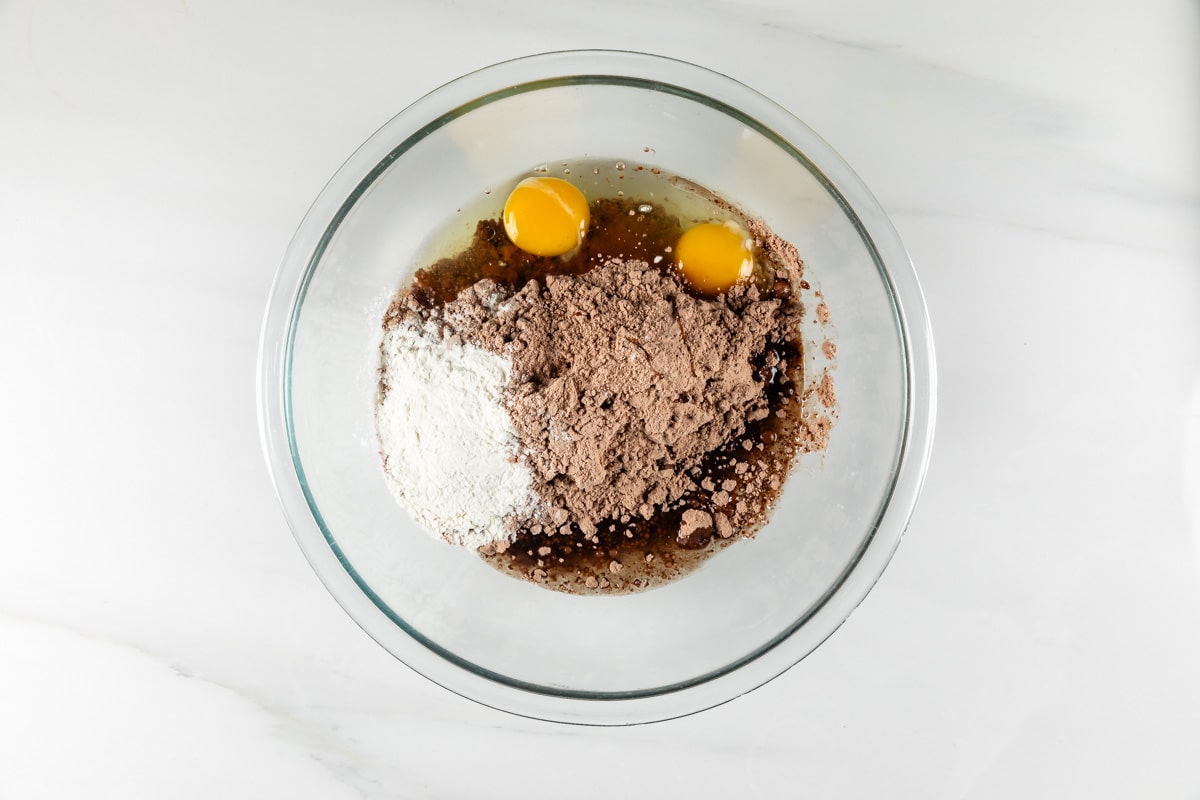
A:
[1036, 635]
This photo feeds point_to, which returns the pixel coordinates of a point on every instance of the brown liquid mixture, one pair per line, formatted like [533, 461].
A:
[618, 228]
[740, 480]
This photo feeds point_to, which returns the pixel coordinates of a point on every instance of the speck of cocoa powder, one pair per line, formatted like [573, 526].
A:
[825, 391]
[695, 528]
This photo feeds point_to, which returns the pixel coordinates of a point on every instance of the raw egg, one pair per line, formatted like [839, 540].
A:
[713, 256]
[546, 216]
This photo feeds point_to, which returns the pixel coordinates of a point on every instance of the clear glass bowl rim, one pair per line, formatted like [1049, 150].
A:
[573, 68]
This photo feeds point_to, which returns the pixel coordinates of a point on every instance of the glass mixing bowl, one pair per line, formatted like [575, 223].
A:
[752, 610]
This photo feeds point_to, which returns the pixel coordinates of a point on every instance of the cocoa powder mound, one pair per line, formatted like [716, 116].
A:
[622, 381]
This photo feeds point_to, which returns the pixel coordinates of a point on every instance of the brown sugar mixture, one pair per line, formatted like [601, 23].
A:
[659, 424]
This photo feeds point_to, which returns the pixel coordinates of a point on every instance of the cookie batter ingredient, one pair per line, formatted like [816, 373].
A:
[715, 256]
[622, 381]
[447, 441]
[546, 216]
[656, 410]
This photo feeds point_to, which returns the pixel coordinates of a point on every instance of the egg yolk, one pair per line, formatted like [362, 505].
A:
[714, 256]
[546, 216]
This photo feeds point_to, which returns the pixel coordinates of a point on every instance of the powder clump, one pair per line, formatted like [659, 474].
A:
[448, 445]
[622, 381]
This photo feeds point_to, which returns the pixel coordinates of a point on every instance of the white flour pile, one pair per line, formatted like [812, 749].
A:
[448, 442]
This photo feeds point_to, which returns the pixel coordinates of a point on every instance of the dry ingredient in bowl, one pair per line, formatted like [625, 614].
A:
[449, 446]
[599, 420]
